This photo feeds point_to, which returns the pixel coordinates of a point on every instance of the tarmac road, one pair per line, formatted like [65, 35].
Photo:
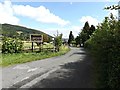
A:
[72, 70]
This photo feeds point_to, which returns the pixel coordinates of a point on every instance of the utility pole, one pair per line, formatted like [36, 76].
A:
[119, 11]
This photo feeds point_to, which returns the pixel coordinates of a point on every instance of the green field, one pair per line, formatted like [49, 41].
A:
[28, 45]
[18, 58]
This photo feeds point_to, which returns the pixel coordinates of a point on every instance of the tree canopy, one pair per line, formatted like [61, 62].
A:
[71, 38]
[113, 7]
[85, 34]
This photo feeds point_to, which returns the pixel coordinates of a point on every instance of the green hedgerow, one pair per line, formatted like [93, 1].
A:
[11, 45]
[105, 46]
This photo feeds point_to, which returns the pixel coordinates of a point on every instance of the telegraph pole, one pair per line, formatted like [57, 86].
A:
[119, 11]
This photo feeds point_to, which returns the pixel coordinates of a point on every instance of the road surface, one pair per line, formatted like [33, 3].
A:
[72, 70]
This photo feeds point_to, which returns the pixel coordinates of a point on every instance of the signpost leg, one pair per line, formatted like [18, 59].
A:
[40, 47]
[32, 46]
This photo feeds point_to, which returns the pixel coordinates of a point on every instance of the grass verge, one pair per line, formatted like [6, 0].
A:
[18, 58]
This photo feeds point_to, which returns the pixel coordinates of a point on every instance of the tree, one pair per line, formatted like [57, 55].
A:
[91, 30]
[85, 34]
[71, 38]
[86, 27]
[58, 42]
[77, 39]
[114, 7]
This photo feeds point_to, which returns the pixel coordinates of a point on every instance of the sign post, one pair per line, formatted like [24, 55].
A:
[36, 38]
[32, 46]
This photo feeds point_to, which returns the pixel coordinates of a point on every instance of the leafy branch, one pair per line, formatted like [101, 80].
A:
[113, 7]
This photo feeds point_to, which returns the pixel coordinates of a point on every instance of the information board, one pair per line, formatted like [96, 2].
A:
[36, 38]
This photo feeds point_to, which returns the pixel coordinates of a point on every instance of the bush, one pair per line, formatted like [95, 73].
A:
[105, 46]
[11, 45]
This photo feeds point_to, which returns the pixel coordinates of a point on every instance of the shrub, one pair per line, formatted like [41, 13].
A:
[58, 42]
[105, 46]
[11, 45]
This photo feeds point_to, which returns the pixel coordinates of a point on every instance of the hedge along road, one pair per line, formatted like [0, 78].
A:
[72, 70]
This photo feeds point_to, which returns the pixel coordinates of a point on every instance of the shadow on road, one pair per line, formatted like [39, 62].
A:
[82, 53]
[71, 75]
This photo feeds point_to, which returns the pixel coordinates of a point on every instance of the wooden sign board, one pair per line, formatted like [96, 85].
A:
[36, 38]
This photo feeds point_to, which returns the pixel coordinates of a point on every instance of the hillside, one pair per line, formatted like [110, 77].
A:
[21, 32]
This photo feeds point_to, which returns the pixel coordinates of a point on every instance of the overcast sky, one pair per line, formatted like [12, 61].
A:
[52, 16]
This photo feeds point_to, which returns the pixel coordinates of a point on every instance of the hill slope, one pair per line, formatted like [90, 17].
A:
[21, 32]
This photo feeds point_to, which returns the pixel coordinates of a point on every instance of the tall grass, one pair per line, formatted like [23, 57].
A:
[18, 58]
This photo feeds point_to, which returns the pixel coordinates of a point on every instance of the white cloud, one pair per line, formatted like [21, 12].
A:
[91, 20]
[65, 31]
[76, 30]
[114, 12]
[53, 31]
[7, 14]
[40, 14]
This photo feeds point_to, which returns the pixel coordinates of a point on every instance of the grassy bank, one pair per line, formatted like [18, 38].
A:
[18, 58]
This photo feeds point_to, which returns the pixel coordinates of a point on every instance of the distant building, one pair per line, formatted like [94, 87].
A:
[119, 11]
[64, 40]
